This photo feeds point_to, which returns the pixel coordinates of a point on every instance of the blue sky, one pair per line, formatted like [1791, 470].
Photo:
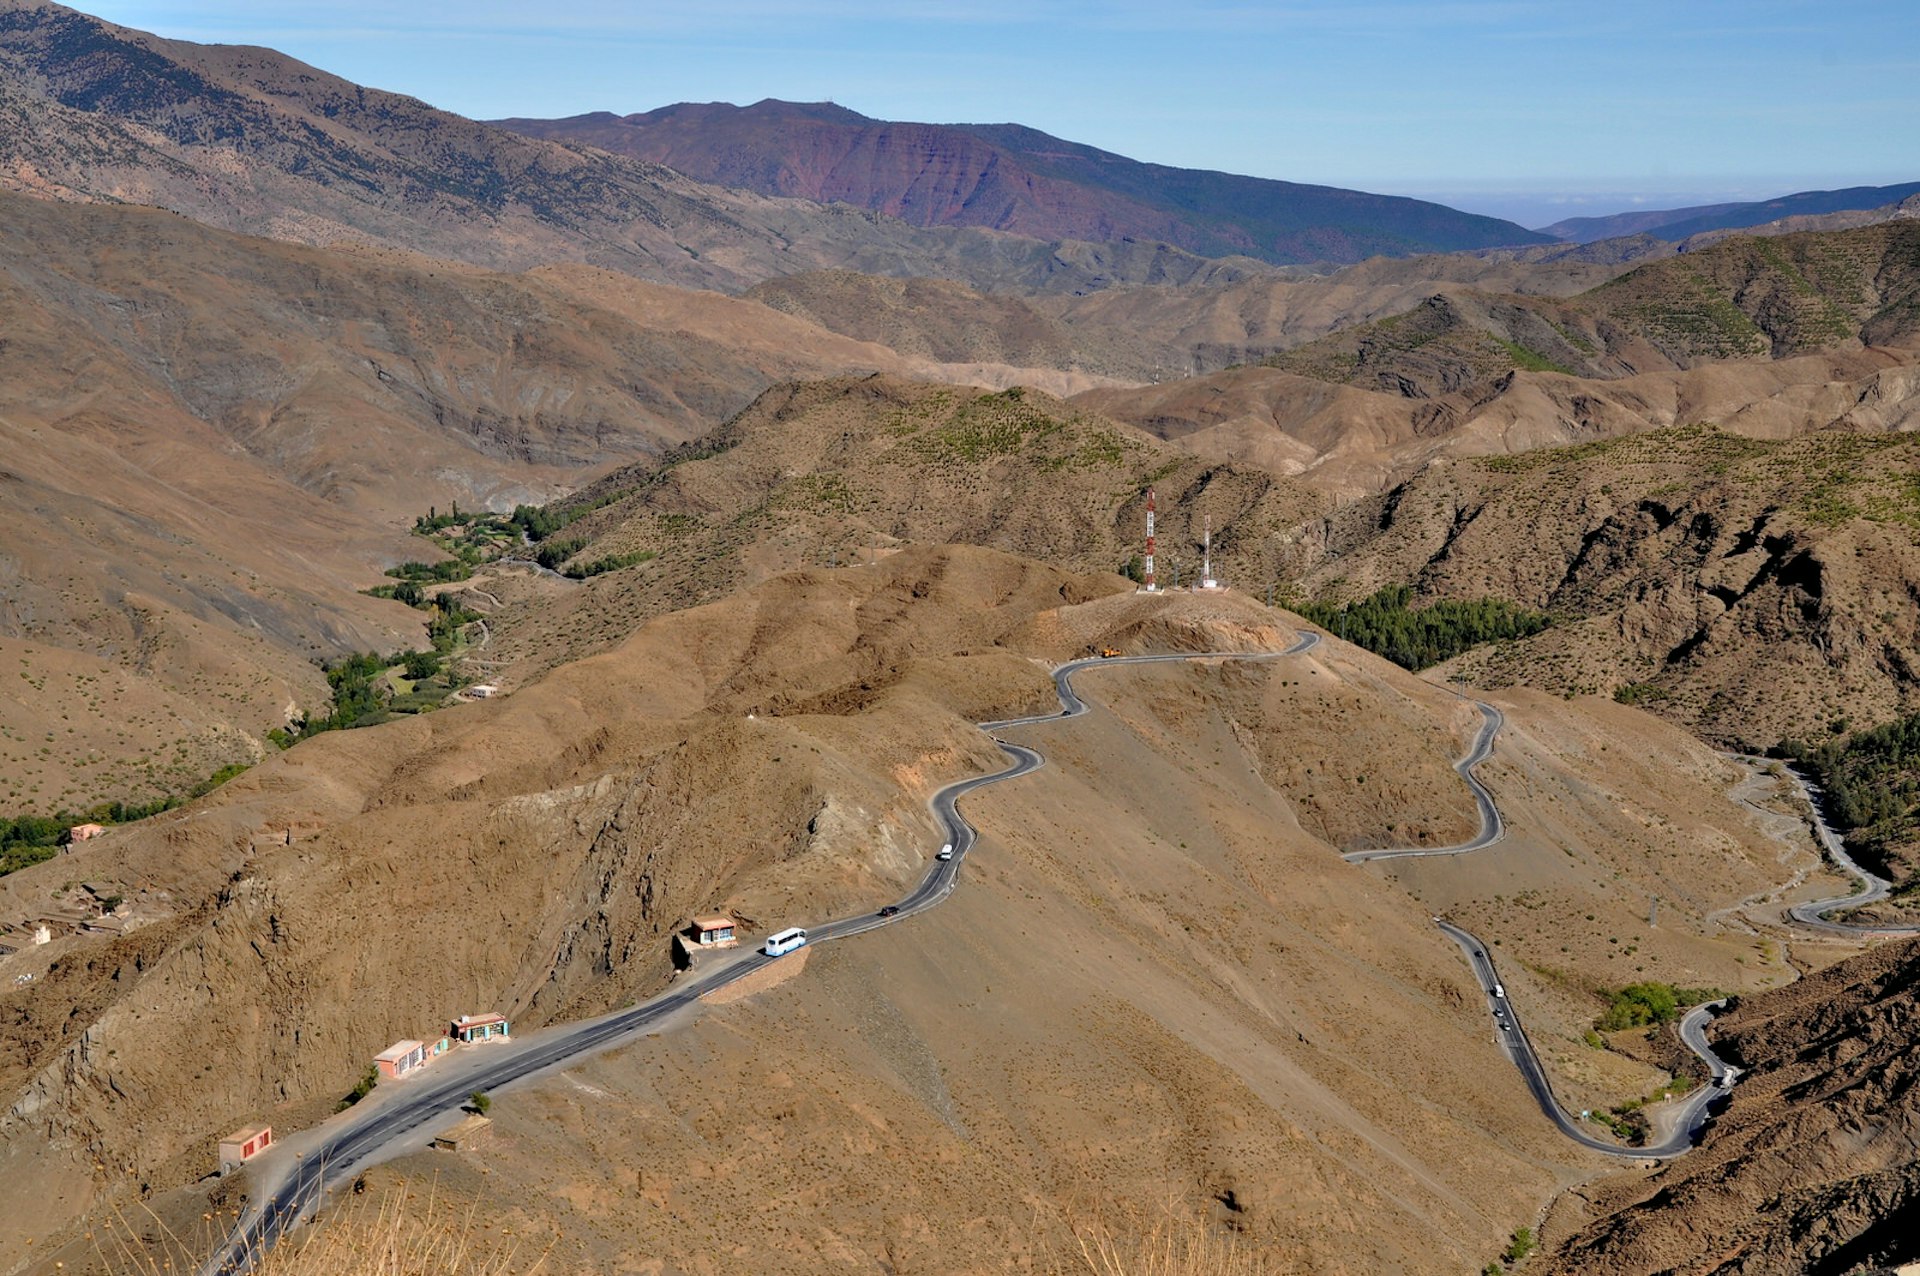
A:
[1533, 110]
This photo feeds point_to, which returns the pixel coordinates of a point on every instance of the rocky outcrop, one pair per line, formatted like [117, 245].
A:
[1814, 1167]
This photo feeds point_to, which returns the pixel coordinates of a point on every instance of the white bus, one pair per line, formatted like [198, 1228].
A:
[785, 941]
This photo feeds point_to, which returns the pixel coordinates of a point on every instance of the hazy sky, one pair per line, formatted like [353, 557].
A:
[1533, 109]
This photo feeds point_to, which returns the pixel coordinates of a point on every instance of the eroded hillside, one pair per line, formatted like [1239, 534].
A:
[214, 443]
[1741, 298]
[834, 471]
[1812, 1169]
[1749, 589]
[1159, 981]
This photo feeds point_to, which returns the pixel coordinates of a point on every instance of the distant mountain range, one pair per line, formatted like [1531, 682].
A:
[1010, 178]
[1676, 224]
[249, 139]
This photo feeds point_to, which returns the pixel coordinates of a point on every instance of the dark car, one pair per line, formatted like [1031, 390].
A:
[890, 910]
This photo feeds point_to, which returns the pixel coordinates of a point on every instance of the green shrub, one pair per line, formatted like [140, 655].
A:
[609, 563]
[1651, 1002]
[1639, 693]
[361, 1088]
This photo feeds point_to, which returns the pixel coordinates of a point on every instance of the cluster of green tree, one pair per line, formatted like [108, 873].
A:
[541, 521]
[553, 553]
[434, 521]
[361, 1088]
[537, 522]
[449, 618]
[28, 839]
[1387, 625]
[1628, 1123]
[609, 563]
[1871, 779]
[357, 698]
[450, 569]
[361, 694]
[406, 591]
[1638, 1005]
[1518, 1249]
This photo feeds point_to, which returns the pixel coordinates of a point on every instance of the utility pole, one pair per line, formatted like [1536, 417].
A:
[1206, 558]
[1148, 584]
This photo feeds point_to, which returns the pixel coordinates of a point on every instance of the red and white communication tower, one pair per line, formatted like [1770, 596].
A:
[1146, 584]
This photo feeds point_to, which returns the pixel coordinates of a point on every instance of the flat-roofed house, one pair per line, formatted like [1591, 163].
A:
[400, 1058]
[243, 1145]
[487, 1027]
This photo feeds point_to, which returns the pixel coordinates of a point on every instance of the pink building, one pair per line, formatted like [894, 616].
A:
[243, 1145]
[85, 832]
[400, 1058]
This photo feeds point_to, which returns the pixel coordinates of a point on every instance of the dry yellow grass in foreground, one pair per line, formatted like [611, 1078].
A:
[1173, 1248]
[401, 1234]
[394, 1235]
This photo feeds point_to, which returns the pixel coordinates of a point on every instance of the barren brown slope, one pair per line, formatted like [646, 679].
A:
[1155, 332]
[252, 140]
[1815, 1166]
[1768, 337]
[835, 471]
[213, 442]
[1742, 298]
[1159, 982]
[1351, 442]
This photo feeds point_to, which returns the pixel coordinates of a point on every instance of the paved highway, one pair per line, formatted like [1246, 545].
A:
[1873, 887]
[1492, 829]
[289, 1187]
[1692, 1114]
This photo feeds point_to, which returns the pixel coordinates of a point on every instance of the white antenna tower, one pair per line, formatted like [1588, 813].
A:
[1206, 558]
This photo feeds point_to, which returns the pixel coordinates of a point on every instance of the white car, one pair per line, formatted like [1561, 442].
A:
[945, 852]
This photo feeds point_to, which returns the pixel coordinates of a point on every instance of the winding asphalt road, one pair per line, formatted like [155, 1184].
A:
[383, 1128]
[1492, 829]
[360, 1137]
[1873, 887]
[1688, 1120]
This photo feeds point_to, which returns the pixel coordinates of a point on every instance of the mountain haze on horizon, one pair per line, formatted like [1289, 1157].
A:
[1676, 224]
[1013, 178]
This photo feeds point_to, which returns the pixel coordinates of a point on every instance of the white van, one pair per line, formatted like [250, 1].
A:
[946, 852]
[784, 941]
